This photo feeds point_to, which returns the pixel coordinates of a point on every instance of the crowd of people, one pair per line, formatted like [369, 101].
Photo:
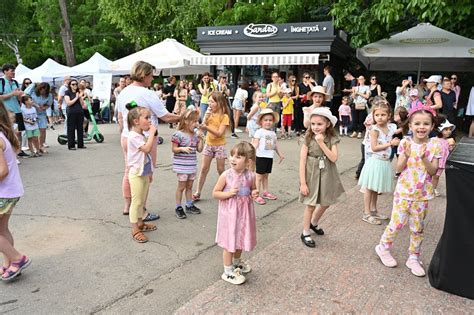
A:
[419, 135]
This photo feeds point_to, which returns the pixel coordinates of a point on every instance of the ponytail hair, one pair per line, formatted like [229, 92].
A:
[134, 112]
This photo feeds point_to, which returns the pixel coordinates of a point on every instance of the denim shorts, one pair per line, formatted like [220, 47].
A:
[42, 121]
[237, 104]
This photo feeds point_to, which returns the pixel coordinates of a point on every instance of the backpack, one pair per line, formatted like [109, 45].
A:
[2, 81]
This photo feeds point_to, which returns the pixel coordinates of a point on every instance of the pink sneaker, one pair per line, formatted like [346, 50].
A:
[260, 200]
[269, 196]
[416, 267]
[385, 256]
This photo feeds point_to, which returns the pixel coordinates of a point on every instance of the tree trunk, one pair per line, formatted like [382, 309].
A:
[66, 35]
[12, 44]
[229, 4]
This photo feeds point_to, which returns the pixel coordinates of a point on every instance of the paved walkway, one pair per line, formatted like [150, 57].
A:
[342, 275]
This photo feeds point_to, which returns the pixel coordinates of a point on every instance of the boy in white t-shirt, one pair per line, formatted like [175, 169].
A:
[30, 116]
[265, 143]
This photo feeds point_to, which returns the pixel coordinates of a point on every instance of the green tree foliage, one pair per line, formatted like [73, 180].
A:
[368, 21]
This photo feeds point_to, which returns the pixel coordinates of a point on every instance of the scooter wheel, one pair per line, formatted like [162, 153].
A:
[99, 138]
[160, 140]
[62, 140]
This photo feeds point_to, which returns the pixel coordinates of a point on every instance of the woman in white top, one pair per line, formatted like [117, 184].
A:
[360, 94]
[238, 105]
[138, 92]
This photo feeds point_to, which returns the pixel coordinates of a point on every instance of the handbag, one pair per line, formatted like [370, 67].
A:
[360, 106]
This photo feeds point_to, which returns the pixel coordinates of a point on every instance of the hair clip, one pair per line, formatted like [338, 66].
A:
[131, 105]
[421, 107]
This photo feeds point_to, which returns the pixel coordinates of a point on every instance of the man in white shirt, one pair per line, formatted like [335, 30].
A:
[62, 102]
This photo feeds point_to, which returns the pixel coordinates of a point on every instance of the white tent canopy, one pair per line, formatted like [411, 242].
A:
[20, 69]
[424, 47]
[47, 72]
[96, 64]
[170, 56]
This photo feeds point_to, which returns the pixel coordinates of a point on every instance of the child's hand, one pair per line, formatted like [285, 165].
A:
[203, 127]
[423, 152]
[186, 150]
[395, 142]
[233, 191]
[152, 130]
[255, 193]
[319, 138]
[304, 189]
[407, 148]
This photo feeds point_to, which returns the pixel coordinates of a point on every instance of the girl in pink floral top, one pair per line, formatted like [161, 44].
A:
[418, 162]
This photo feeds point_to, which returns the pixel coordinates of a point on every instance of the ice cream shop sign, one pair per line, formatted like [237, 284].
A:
[271, 32]
[260, 30]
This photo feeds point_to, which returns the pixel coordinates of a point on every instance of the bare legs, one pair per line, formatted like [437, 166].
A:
[206, 164]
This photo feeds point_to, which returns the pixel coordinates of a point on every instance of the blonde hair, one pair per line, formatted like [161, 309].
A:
[135, 113]
[140, 70]
[255, 96]
[187, 118]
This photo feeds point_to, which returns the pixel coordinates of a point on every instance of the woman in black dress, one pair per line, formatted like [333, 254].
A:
[75, 115]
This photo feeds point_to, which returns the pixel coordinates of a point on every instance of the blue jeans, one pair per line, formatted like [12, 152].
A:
[203, 108]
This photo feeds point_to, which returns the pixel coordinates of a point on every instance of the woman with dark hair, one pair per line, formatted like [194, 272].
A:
[25, 84]
[375, 88]
[274, 93]
[206, 87]
[456, 88]
[75, 115]
[360, 95]
[42, 100]
[304, 88]
[295, 96]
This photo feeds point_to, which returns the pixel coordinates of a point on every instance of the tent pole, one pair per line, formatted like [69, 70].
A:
[419, 72]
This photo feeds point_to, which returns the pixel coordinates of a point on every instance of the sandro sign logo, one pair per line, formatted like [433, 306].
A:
[260, 30]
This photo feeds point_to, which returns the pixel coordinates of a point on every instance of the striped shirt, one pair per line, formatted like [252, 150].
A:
[185, 163]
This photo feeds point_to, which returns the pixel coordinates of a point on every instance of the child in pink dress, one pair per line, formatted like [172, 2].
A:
[444, 134]
[236, 223]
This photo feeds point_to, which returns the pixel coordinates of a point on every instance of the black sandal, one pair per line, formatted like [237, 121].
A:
[308, 241]
[318, 231]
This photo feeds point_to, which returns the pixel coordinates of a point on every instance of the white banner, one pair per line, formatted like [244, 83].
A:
[102, 87]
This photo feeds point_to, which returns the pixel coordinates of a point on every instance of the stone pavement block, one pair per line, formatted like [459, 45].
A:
[341, 275]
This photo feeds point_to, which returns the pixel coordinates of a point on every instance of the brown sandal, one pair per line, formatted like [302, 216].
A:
[139, 237]
[147, 227]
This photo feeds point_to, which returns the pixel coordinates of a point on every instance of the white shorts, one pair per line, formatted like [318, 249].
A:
[237, 104]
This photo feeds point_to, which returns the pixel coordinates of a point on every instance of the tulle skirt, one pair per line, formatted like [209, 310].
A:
[377, 175]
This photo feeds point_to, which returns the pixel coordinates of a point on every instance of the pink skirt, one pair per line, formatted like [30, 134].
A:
[236, 224]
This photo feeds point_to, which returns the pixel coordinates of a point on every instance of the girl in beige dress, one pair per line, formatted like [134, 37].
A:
[181, 95]
[320, 185]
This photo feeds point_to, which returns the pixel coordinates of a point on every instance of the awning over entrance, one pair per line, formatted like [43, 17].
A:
[253, 60]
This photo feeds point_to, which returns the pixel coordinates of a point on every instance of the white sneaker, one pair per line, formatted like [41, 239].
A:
[436, 192]
[235, 277]
[385, 256]
[416, 267]
[25, 148]
[237, 130]
[45, 145]
[243, 267]
[18, 161]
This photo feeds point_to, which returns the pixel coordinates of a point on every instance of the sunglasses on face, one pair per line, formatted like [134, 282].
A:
[27, 83]
[306, 77]
[73, 84]
[293, 80]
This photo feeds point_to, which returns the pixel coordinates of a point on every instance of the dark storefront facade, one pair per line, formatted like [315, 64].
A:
[251, 52]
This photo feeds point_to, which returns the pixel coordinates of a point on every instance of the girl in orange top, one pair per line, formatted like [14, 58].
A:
[215, 123]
